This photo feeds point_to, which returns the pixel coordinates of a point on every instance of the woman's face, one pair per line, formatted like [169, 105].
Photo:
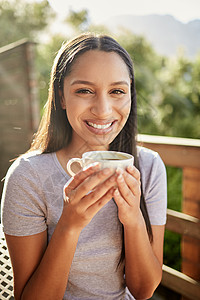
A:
[97, 98]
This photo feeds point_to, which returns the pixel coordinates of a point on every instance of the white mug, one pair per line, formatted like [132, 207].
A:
[107, 159]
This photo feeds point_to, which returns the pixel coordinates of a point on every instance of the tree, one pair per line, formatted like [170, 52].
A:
[79, 20]
[146, 65]
[168, 90]
[20, 19]
[44, 60]
[180, 98]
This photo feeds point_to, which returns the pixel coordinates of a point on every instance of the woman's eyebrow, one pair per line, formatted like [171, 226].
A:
[122, 82]
[82, 82]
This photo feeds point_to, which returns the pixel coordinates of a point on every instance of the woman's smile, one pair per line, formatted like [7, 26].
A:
[99, 127]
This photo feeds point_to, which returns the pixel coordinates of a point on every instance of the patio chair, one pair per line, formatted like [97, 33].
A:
[6, 275]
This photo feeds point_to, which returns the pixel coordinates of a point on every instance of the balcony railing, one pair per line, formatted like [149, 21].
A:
[185, 154]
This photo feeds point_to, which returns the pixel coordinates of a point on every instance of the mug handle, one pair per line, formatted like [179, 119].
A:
[70, 162]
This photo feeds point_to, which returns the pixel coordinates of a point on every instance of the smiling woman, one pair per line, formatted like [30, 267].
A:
[106, 240]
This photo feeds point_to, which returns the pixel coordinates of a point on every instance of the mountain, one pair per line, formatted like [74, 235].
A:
[164, 32]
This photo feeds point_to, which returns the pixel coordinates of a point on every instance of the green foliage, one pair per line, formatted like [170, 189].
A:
[146, 65]
[174, 190]
[20, 19]
[168, 90]
[78, 20]
[45, 56]
[180, 98]
[172, 249]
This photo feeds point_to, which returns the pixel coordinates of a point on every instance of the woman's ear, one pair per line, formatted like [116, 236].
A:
[62, 100]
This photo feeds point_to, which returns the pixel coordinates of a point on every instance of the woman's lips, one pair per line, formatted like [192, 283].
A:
[99, 127]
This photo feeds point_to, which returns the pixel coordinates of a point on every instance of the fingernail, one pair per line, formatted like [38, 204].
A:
[116, 192]
[130, 168]
[120, 177]
[119, 170]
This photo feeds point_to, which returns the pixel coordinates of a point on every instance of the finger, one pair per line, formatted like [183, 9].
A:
[99, 191]
[133, 184]
[119, 199]
[80, 177]
[94, 208]
[134, 172]
[124, 190]
[91, 182]
[132, 179]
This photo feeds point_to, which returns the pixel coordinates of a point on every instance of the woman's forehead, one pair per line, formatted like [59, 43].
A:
[97, 61]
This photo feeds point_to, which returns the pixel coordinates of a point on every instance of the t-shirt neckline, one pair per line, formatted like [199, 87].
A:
[58, 164]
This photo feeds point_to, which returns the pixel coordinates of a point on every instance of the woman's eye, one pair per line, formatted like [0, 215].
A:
[117, 92]
[84, 91]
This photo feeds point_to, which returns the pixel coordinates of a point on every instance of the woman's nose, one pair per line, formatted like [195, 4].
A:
[102, 106]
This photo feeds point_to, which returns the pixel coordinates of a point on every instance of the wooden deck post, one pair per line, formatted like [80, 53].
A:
[19, 101]
[190, 247]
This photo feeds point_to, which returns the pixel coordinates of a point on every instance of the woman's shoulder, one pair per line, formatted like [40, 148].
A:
[30, 161]
[23, 197]
[146, 154]
[149, 159]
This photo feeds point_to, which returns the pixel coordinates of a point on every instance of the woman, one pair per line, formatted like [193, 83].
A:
[107, 239]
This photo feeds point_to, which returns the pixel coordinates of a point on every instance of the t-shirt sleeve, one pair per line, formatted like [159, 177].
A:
[154, 184]
[23, 206]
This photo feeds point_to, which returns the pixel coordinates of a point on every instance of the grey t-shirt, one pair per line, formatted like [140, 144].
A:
[32, 202]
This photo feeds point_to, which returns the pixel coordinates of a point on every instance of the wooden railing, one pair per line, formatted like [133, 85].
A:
[185, 154]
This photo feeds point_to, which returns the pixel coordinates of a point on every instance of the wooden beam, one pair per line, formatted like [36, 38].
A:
[177, 152]
[181, 283]
[168, 140]
[183, 224]
[16, 44]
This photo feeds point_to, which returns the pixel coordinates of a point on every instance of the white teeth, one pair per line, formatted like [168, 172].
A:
[99, 126]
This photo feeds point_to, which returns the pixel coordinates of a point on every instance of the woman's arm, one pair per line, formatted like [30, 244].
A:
[143, 260]
[41, 271]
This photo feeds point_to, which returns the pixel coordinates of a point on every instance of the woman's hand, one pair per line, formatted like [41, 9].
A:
[127, 196]
[143, 259]
[87, 192]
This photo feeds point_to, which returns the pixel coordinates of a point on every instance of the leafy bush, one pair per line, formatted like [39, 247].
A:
[172, 247]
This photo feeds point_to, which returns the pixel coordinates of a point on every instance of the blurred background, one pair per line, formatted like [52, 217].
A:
[163, 39]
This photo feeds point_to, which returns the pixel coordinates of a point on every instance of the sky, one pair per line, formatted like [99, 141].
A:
[102, 10]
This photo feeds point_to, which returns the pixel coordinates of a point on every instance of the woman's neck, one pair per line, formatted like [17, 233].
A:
[76, 150]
